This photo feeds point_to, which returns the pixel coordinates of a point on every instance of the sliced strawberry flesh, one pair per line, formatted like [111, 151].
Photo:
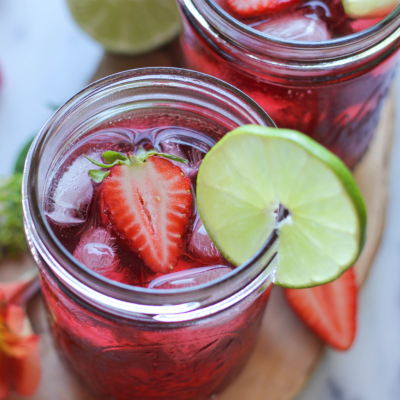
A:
[329, 310]
[253, 8]
[103, 216]
[149, 205]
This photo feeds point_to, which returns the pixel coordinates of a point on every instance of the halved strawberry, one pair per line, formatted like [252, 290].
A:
[148, 202]
[329, 310]
[253, 8]
[102, 209]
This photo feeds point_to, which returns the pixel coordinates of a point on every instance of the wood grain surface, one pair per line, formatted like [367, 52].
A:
[286, 352]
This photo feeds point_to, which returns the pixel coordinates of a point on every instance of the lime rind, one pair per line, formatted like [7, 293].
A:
[252, 170]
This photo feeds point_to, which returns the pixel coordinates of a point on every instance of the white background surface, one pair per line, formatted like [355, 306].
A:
[45, 59]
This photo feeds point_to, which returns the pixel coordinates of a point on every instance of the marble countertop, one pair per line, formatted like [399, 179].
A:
[45, 59]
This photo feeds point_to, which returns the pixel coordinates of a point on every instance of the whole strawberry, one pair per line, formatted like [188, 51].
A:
[148, 202]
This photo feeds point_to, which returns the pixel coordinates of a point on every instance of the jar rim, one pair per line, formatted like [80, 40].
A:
[299, 50]
[48, 250]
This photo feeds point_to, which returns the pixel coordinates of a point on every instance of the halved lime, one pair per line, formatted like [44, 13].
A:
[369, 8]
[128, 26]
[252, 171]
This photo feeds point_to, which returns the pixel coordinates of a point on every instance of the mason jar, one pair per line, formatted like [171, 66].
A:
[124, 341]
[332, 90]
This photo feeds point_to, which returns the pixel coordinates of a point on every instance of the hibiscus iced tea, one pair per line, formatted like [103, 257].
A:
[311, 66]
[78, 210]
[141, 303]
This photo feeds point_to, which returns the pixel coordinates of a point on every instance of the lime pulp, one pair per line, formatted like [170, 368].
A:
[253, 171]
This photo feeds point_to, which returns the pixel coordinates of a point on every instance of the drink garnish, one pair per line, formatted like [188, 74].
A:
[148, 201]
[369, 8]
[329, 310]
[251, 173]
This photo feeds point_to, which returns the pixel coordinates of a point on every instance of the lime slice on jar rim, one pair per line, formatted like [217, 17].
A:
[128, 26]
[252, 172]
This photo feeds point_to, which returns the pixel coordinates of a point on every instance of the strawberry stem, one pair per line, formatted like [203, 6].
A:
[113, 158]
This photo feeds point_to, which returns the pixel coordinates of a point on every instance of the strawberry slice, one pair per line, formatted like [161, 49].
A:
[253, 8]
[148, 202]
[329, 310]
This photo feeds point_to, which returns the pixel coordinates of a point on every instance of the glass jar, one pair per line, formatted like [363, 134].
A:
[123, 341]
[333, 90]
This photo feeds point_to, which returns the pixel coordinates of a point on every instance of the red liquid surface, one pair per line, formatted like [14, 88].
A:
[78, 219]
[123, 359]
[340, 112]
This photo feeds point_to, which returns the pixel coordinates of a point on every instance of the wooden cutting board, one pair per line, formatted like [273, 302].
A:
[286, 352]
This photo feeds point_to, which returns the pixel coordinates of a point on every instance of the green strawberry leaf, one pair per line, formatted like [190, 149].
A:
[170, 157]
[98, 176]
[143, 155]
[110, 157]
[113, 158]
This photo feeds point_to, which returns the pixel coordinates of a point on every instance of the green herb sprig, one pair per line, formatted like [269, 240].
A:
[12, 236]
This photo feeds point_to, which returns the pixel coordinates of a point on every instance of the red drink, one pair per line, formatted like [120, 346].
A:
[76, 214]
[139, 333]
[311, 67]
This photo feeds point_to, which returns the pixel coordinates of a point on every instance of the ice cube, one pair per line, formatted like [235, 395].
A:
[193, 155]
[296, 27]
[96, 251]
[187, 144]
[74, 191]
[201, 246]
[189, 278]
